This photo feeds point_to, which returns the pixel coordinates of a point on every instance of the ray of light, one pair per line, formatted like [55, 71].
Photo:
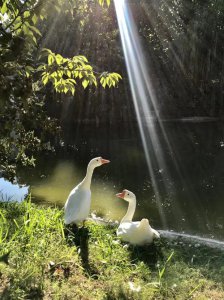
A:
[163, 32]
[143, 97]
[146, 105]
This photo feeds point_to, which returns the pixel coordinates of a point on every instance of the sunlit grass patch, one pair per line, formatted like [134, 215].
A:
[40, 259]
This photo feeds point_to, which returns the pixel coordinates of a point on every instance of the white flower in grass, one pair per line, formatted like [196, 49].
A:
[133, 288]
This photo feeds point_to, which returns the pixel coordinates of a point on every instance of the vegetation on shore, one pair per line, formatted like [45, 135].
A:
[40, 259]
[30, 71]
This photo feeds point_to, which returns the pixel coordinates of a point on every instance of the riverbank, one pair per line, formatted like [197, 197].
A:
[40, 259]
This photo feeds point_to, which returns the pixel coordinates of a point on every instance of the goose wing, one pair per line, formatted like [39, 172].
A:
[77, 206]
[156, 233]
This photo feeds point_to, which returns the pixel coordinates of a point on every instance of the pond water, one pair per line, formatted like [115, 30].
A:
[193, 202]
[12, 192]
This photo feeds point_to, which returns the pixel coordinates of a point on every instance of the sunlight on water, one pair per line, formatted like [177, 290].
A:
[105, 203]
[12, 192]
[56, 188]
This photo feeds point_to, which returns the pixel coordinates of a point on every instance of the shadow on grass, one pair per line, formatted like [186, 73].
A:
[209, 260]
[34, 293]
[121, 295]
[149, 254]
[80, 238]
[13, 210]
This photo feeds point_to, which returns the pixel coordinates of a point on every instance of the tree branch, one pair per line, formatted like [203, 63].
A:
[19, 13]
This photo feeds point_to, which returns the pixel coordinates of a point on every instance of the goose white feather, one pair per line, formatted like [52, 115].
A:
[136, 233]
[77, 206]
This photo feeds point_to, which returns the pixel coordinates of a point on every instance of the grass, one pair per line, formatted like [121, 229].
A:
[40, 259]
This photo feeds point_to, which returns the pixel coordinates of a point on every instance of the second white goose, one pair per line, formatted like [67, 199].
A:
[136, 233]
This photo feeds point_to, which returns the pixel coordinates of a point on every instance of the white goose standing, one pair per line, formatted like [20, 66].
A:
[136, 233]
[77, 206]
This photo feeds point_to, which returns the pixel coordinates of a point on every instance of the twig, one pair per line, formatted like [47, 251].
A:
[19, 13]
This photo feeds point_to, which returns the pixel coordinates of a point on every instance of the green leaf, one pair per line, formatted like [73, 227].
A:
[28, 70]
[26, 14]
[70, 66]
[4, 8]
[60, 73]
[47, 51]
[69, 73]
[54, 75]
[73, 91]
[162, 272]
[34, 19]
[107, 80]
[103, 82]
[82, 57]
[50, 59]
[72, 81]
[26, 29]
[34, 39]
[101, 2]
[75, 74]
[40, 68]
[45, 79]
[33, 28]
[169, 258]
[59, 59]
[17, 25]
[85, 83]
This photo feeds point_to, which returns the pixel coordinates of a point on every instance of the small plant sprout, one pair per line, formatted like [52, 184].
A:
[161, 271]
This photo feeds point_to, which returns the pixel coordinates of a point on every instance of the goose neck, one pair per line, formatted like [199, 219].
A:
[130, 212]
[88, 178]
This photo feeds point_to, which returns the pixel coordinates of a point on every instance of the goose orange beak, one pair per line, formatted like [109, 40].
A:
[121, 195]
[104, 161]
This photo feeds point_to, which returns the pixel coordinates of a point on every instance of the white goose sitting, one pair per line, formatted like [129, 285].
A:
[136, 233]
[77, 206]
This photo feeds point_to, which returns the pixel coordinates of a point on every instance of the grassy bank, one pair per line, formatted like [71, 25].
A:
[40, 259]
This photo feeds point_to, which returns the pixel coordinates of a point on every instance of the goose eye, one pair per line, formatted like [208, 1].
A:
[97, 160]
[128, 194]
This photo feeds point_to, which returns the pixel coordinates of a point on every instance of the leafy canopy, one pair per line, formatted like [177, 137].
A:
[25, 125]
[65, 73]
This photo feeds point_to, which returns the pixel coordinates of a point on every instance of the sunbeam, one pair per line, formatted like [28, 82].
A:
[142, 92]
[165, 23]
[146, 107]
